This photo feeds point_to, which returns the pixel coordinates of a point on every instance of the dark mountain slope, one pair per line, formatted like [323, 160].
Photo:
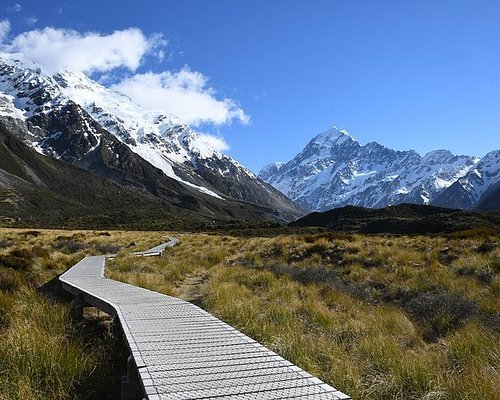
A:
[403, 218]
[74, 119]
[490, 201]
[36, 190]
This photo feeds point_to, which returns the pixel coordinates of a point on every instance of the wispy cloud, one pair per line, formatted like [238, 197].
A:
[30, 21]
[4, 29]
[16, 7]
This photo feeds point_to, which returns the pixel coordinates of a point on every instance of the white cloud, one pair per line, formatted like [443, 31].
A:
[17, 7]
[31, 20]
[57, 49]
[184, 93]
[4, 29]
[216, 142]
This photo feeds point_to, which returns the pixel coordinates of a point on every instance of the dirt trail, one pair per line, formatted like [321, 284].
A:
[192, 287]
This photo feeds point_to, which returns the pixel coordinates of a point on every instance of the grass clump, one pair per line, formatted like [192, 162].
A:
[40, 360]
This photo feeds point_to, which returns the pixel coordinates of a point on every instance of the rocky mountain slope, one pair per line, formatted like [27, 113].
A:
[74, 119]
[41, 191]
[479, 188]
[334, 170]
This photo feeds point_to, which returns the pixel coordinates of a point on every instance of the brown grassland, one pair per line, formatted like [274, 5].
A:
[378, 317]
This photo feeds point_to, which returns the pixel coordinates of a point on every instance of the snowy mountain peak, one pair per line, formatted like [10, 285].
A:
[332, 136]
[270, 170]
[162, 139]
[334, 170]
[437, 156]
[69, 116]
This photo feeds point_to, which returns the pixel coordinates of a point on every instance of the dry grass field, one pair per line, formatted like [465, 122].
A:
[42, 354]
[379, 317]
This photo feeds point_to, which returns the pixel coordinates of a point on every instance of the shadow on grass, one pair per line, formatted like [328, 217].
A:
[93, 332]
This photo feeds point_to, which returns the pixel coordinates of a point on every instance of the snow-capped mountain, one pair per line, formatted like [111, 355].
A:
[73, 118]
[334, 170]
[475, 187]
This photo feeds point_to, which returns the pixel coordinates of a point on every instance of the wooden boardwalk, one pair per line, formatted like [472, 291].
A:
[179, 351]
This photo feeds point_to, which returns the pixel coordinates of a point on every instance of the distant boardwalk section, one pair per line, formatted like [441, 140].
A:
[179, 351]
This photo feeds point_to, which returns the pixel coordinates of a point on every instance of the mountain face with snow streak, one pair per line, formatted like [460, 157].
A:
[74, 119]
[334, 170]
[479, 188]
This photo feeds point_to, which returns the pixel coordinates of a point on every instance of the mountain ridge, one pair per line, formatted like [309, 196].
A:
[334, 170]
[403, 219]
[36, 190]
[71, 118]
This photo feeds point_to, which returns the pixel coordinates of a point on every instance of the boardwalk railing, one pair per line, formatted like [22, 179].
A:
[179, 351]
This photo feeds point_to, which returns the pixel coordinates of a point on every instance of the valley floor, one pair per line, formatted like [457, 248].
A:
[400, 317]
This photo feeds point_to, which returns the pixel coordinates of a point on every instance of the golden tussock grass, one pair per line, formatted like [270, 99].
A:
[375, 316]
[42, 354]
[396, 317]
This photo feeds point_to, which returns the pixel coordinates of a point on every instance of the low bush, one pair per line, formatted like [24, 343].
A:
[31, 233]
[476, 233]
[486, 247]
[440, 311]
[19, 259]
[10, 279]
[107, 248]
[5, 243]
[69, 245]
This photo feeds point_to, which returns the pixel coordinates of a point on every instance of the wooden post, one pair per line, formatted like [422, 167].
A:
[115, 329]
[77, 308]
[131, 389]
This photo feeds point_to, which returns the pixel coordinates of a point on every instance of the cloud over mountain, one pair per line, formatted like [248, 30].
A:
[58, 49]
[185, 92]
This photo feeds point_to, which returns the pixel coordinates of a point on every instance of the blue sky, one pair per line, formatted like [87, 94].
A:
[269, 75]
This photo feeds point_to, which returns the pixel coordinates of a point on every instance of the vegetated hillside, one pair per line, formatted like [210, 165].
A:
[403, 218]
[39, 191]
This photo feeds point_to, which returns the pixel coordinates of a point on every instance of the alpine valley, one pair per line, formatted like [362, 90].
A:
[72, 149]
[334, 170]
[72, 119]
